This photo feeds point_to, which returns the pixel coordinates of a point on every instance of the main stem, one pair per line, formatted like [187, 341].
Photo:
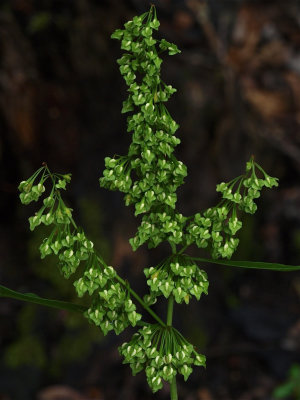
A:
[173, 385]
[170, 310]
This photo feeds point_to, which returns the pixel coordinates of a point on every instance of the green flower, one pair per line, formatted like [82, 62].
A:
[172, 48]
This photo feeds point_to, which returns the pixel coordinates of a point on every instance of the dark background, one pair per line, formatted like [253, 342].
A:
[60, 99]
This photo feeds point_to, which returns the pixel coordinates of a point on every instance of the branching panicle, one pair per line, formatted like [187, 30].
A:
[149, 176]
[156, 170]
[216, 228]
[72, 247]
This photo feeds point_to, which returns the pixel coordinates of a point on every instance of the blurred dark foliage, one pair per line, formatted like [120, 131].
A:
[238, 81]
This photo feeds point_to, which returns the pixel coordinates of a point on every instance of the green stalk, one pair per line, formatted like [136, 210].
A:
[140, 300]
[173, 385]
[173, 389]
[170, 310]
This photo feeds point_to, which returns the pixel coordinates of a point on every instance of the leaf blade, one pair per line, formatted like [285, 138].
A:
[33, 298]
[251, 264]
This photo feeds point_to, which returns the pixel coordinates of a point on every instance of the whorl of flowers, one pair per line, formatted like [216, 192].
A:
[161, 353]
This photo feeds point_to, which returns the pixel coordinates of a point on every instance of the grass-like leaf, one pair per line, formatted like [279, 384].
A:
[251, 264]
[33, 298]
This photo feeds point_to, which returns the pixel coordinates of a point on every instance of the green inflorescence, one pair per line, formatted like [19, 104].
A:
[161, 353]
[216, 227]
[178, 276]
[149, 176]
[110, 300]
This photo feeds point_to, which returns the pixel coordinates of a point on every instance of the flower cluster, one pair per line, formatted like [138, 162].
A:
[112, 307]
[216, 227]
[162, 353]
[178, 276]
[72, 247]
[32, 191]
[150, 174]
[157, 227]
[249, 187]
[117, 174]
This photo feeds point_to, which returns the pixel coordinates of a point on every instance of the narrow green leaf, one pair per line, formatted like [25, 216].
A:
[251, 264]
[33, 298]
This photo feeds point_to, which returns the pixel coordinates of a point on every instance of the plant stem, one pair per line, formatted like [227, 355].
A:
[140, 300]
[173, 385]
[170, 310]
[183, 249]
[173, 389]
